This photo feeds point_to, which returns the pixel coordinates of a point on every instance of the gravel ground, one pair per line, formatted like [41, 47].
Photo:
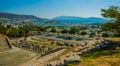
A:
[15, 56]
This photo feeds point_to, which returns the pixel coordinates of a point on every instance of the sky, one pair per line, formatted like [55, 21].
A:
[54, 8]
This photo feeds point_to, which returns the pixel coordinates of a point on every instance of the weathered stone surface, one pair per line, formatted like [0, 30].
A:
[4, 43]
[75, 54]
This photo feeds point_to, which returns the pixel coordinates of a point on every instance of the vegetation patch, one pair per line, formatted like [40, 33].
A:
[45, 43]
[110, 56]
[116, 39]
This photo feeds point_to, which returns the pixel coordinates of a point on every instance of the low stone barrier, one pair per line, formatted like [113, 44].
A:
[74, 56]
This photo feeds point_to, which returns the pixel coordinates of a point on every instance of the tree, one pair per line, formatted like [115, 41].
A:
[13, 32]
[26, 29]
[2, 29]
[42, 29]
[65, 31]
[83, 33]
[73, 30]
[92, 34]
[53, 30]
[113, 14]
[22, 32]
[105, 35]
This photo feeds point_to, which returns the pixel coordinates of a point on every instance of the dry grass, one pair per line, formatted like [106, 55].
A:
[101, 58]
[101, 61]
[115, 39]
[1, 35]
[45, 43]
[104, 57]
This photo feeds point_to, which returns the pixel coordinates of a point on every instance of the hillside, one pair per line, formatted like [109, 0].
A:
[13, 18]
[60, 20]
[10, 15]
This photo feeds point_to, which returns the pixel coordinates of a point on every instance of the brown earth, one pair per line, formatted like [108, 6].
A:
[15, 56]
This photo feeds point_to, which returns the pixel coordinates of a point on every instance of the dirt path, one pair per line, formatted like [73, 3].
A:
[43, 60]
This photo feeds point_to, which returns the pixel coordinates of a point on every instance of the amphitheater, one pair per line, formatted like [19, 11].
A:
[20, 52]
[66, 56]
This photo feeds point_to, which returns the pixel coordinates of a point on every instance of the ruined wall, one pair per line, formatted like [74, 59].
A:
[75, 55]
[4, 43]
[44, 50]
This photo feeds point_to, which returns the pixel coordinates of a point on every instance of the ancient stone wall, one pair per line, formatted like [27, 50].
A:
[74, 56]
[44, 50]
[4, 43]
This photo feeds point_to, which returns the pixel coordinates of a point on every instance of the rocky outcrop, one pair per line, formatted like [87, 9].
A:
[4, 43]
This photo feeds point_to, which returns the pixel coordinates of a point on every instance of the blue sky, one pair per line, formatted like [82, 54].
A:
[53, 8]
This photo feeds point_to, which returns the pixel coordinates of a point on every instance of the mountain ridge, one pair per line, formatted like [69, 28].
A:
[61, 17]
[74, 19]
[10, 17]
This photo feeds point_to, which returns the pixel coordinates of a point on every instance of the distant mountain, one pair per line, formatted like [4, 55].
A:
[10, 15]
[67, 18]
[79, 20]
[61, 20]
[16, 18]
